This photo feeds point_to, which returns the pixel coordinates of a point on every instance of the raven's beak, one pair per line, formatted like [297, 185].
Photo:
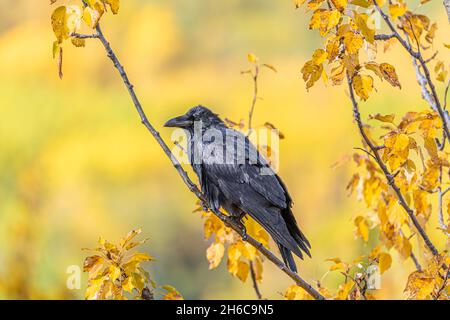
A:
[179, 122]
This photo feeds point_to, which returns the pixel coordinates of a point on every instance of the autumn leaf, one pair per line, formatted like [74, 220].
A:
[383, 118]
[361, 21]
[420, 285]
[362, 228]
[363, 86]
[172, 293]
[295, 292]
[397, 9]
[384, 261]
[214, 254]
[91, 16]
[353, 42]
[441, 73]
[324, 20]
[340, 4]
[389, 74]
[252, 58]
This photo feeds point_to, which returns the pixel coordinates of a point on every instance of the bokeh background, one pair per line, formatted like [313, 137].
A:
[75, 163]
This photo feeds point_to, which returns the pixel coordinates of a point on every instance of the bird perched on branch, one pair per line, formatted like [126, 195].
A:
[233, 175]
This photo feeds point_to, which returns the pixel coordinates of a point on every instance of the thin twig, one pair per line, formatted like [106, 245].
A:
[84, 36]
[445, 94]
[192, 186]
[255, 282]
[412, 255]
[440, 193]
[416, 262]
[362, 149]
[384, 36]
[432, 57]
[387, 173]
[255, 96]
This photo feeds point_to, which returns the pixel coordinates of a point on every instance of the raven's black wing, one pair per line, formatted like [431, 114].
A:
[260, 194]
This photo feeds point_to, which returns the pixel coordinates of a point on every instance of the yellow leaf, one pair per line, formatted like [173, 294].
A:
[311, 73]
[172, 293]
[91, 17]
[298, 3]
[324, 20]
[389, 74]
[138, 281]
[252, 58]
[114, 5]
[362, 228]
[344, 290]
[295, 292]
[431, 33]
[139, 257]
[441, 73]
[94, 289]
[319, 56]
[383, 118]
[314, 4]
[114, 273]
[59, 25]
[398, 9]
[78, 42]
[403, 246]
[92, 261]
[375, 68]
[340, 4]
[352, 42]
[129, 236]
[420, 285]
[338, 74]
[363, 85]
[127, 285]
[384, 261]
[214, 254]
[361, 22]
[242, 271]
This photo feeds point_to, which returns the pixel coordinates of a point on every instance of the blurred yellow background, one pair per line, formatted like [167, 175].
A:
[75, 163]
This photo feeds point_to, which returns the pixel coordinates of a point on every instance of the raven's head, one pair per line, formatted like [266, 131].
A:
[195, 114]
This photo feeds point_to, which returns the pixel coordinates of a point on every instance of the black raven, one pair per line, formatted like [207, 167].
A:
[234, 176]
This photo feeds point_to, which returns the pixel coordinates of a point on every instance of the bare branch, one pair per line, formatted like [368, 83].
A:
[254, 281]
[387, 173]
[255, 96]
[84, 36]
[192, 186]
[442, 224]
[416, 262]
[384, 36]
[447, 8]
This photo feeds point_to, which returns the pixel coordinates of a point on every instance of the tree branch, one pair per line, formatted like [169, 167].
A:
[447, 8]
[417, 55]
[384, 36]
[84, 36]
[387, 173]
[441, 194]
[254, 281]
[192, 186]
[255, 96]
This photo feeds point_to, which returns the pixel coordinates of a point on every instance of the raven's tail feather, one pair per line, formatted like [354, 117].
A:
[295, 232]
[288, 258]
